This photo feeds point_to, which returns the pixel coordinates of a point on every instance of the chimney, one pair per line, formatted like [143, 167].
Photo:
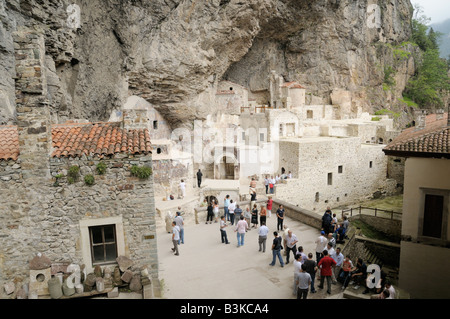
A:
[33, 114]
[420, 116]
[439, 114]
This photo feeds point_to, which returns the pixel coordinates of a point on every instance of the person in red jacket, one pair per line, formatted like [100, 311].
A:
[326, 264]
[269, 205]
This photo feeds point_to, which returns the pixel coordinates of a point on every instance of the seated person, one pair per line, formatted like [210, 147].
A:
[359, 274]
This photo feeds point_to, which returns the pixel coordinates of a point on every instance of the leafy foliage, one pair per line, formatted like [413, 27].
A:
[101, 168]
[431, 81]
[143, 172]
[89, 179]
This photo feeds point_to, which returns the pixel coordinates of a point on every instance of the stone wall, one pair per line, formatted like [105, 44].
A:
[348, 172]
[303, 215]
[48, 217]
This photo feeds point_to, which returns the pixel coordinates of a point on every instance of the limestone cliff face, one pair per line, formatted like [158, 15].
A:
[171, 52]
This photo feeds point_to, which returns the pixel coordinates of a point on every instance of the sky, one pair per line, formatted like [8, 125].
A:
[436, 10]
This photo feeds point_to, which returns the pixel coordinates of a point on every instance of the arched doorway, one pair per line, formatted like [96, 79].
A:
[226, 167]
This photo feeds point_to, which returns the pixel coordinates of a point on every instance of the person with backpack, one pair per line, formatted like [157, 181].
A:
[276, 250]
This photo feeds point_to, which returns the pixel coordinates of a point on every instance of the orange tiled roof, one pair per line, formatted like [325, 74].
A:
[74, 140]
[292, 85]
[431, 141]
[9, 142]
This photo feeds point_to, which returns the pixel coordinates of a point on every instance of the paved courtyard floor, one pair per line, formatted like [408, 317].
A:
[208, 269]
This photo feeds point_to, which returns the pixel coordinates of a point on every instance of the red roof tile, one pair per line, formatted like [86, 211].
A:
[9, 142]
[292, 85]
[75, 139]
[431, 141]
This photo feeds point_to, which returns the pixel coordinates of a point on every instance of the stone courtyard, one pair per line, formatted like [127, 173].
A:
[208, 269]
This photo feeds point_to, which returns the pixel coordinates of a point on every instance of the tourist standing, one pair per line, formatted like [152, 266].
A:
[332, 240]
[269, 205]
[266, 184]
[303, 281]
[247, 215]
[300, 252]
[339, 259]
[262, 215]
[263, 231]
[291, 245]
[345, 272]
[326, 220]
[321, 244]
[226, 202]
[271, 184]
[180, 223]
[241, 228]
[182, 189]
[311, 268]
[297, 269]
[210, 213]
[276, 250]
[255, 216]
[280, 217]
[199, 177]
[237, 213]
[223, 232]
[216, 211]
[326, 264]
[175, 238]
[231, 208]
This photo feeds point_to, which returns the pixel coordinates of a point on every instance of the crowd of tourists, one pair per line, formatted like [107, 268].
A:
[310, 271]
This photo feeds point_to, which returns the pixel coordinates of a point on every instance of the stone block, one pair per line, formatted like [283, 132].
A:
[39, 281]
[124, 263]
[40, 262]
[127, 276]
[114, 293]
[9, 287]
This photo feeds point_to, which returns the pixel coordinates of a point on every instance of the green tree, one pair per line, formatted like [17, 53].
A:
[431, 80]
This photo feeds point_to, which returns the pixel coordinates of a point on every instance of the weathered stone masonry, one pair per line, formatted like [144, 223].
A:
[42, 212]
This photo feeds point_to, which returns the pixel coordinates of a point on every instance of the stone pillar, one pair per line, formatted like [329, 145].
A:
[33, 115]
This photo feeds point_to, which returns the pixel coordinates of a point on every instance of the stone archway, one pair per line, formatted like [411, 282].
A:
[226, 166]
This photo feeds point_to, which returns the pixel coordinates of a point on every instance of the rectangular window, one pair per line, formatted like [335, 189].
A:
[433, 216]
[309, 114]
[340, 169]
[330, 178]
[370, 164]
[103, 244]
[155, 125]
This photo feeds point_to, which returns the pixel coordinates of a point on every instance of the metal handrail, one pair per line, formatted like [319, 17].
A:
[391, 212]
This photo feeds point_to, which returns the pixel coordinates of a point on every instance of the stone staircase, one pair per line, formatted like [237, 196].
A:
[370, 258]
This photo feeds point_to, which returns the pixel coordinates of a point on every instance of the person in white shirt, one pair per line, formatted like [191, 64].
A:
[291, 245]
[175, 237]
[231, 208]
[321, 244]
[297, 268]
[262, 236]
[223, 232]
[339, 259]
[182, 189]
[388, 286]
[241, 228]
